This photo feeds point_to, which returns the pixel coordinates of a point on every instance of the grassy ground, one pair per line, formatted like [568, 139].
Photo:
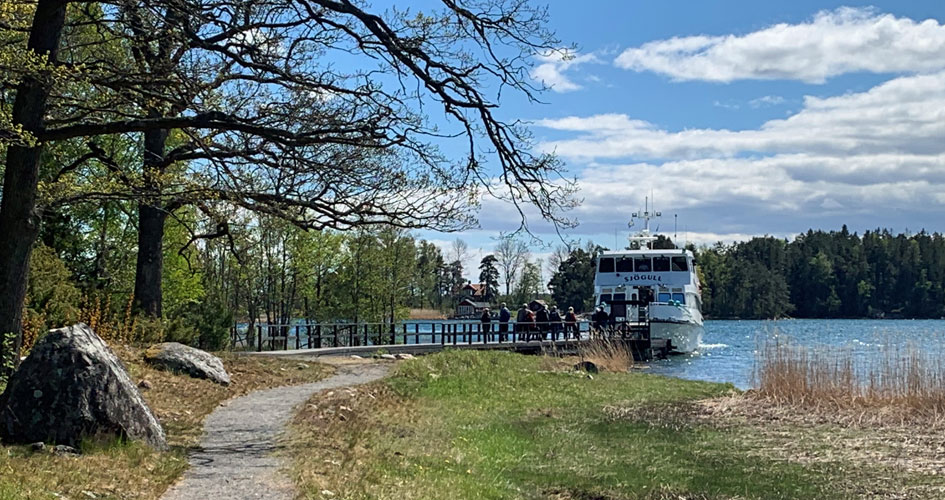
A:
[497, 425]
[117, 470]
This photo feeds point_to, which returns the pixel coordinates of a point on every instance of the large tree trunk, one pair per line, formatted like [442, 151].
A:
[151, 216]
[150, 264]
[19, 216]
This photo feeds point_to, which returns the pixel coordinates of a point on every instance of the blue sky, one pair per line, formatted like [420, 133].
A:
[743, 117]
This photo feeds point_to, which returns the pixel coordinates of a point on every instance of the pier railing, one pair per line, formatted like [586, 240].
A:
[271, 336]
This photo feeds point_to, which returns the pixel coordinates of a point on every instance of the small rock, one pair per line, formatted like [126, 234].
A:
[179, 358]
[355, 356]
[38, 446]
[590, 377]
[302, 366]
[587, 366]
[145, 384]
[388, 356]
[328, 493]
[89, 494]
[405, 356]
[61, 449]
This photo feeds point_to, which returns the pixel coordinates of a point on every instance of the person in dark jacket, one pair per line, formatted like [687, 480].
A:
[486, 320]
[555, 326]
[600, 319]
[521, 322]
[570, 324]
[542, 320]
[504, 317]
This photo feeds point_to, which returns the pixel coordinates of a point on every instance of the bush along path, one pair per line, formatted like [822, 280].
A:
[235, 458]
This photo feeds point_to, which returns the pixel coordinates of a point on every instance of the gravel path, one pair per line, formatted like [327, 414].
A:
[235, 459]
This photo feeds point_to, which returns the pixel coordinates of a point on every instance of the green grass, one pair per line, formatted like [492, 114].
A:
[495, 426]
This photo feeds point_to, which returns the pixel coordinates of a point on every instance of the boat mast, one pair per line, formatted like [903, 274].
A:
[644, 237]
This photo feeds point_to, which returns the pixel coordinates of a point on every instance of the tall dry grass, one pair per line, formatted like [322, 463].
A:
[609, 354]
[905, 379]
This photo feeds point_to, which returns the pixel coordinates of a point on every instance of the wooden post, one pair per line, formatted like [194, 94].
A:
[259, 338]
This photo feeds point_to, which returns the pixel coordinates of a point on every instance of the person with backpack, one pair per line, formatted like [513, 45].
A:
[554, 317]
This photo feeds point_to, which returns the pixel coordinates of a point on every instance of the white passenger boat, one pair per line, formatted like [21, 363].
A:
[654, 290]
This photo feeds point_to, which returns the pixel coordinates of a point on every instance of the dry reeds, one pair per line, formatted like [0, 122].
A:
[609, 354]
[902, 378]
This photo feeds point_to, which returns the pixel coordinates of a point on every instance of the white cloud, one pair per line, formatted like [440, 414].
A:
[906, 114]
[832, 43]
[875, 157]
[551, 70]
[765, 101]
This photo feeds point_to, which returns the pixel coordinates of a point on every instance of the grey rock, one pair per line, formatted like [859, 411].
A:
[61, 449]
[38, 446]
[388, 356]
[179, 358]
[587, 366]
[70, 387]
[302, 366]
[355, 356]
[145, 384]
[404, 356]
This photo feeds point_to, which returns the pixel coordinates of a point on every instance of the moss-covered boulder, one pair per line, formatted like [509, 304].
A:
[72, 387]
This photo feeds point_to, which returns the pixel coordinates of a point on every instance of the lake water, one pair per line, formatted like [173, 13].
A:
[729, 347]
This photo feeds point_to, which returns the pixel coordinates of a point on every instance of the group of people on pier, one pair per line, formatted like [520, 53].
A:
[533, 324]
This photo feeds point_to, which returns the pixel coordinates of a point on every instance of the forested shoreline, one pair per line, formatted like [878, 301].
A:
[835, 274]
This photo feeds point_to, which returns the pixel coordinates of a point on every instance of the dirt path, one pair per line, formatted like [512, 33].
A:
[235, 459]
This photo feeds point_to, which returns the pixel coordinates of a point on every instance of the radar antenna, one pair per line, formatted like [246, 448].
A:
[644, 237]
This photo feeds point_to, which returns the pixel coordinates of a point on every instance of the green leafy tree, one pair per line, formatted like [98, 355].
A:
[489, 277]
[572, 285]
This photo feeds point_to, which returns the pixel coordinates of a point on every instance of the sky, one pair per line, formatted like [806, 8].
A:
[740, 118]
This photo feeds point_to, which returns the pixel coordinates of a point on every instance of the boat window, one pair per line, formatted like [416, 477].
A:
[642, 265]
[624, 265]
[663, 297]
[606, 265]
[680, 264]
[620, 296]
[679, 297]
[604, 299]
[660, 264]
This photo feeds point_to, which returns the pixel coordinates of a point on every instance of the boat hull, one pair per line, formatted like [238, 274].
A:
[685, 337]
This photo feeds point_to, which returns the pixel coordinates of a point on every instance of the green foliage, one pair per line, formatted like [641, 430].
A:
[529, 286]
[489, 276]
[182, 282]
[8, 361]
[572, 284]
[52, 299]
[826, 274]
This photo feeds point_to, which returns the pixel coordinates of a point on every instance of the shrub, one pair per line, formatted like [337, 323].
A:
[52, 300]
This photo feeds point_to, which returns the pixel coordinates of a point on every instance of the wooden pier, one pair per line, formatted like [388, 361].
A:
[367, 339]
